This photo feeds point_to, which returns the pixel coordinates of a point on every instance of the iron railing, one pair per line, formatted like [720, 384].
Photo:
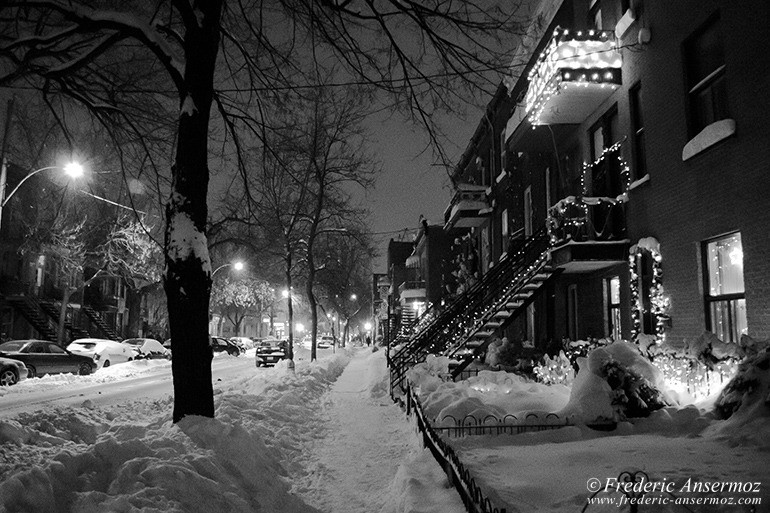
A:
[460, 477]
[460, 316]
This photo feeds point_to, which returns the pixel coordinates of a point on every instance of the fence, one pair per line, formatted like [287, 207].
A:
[492, 425]
[472, 496]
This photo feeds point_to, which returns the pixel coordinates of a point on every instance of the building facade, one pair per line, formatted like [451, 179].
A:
[631, 135]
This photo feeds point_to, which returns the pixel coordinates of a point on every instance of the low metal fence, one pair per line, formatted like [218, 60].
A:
[472, 496]
[492, 425]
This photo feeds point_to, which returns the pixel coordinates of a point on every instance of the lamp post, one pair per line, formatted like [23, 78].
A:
[238, 266]
[73, 170]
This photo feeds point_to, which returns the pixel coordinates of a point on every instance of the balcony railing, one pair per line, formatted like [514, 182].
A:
[585, 219]
[469, 207]
[576, 72]
[411, 290]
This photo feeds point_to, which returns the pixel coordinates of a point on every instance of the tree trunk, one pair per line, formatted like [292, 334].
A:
[290, 308]
[65, 299]
[313, 309]
[187, 280]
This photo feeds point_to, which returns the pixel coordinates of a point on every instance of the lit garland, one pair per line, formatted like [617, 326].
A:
[558, 218]
[694, 376]
[659, 302]
[572, 60]
[555, 371]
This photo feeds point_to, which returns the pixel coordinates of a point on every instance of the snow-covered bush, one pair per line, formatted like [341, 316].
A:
[556, 370]
[615, 382]
[751, 385]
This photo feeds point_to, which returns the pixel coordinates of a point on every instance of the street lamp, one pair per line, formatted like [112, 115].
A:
[353, 297]
[72, 169]
[238, 266]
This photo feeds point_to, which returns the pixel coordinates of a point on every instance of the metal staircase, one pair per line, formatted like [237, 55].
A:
[50, 308]
[32, 312]
[97, 319]
[471, 319]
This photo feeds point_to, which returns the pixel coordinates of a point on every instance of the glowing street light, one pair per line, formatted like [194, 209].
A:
[73, 170]
[353, 297]
[367, 326]
[237, 265]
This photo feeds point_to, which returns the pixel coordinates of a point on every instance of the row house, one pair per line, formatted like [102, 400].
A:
[32, 281]
[615, 185]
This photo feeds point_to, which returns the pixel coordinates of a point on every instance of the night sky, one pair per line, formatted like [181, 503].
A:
[409, 185]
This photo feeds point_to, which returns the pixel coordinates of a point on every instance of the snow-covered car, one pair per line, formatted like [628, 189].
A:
[270, 352]
[11, 371]
[222, 345]
[243, 343]
[104, 352]
[147, 348]
[325, 342]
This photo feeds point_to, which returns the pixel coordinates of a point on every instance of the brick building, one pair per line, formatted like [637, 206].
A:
[631, 135]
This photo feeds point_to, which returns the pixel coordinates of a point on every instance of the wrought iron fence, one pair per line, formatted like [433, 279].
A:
[492, 425]
[460, 477]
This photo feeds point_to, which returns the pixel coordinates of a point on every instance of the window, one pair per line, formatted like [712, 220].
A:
[572, 312]
[725, 289]
[603, 133]
[705, 70]
[595, 15]
[645, 271]
[528, 211]
[637, 131]
[612, 287]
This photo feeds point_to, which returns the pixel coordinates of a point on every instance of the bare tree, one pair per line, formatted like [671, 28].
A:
[237, 298]
[151, 73]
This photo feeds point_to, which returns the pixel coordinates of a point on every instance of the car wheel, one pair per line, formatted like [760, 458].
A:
[130, 359]
[31, 371]
[8, 377]
[85, 369]
[106, 363]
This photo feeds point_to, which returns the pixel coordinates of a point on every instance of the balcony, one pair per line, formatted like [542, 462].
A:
[469, 207]
[411, 290]
[575, 74]
[587, 233]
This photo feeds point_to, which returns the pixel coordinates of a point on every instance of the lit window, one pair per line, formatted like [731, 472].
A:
[613, 308]
[707, 90]
[725, 299]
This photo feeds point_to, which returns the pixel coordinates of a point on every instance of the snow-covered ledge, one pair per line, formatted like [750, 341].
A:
[624, 23]
[708, 137]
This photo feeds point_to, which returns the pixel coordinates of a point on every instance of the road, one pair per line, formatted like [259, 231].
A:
[110, 386]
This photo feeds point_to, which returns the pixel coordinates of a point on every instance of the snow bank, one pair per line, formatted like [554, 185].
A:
[93, 460]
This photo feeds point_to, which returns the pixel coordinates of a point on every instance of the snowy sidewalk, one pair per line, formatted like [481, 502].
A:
[370, 459]
[367, 439]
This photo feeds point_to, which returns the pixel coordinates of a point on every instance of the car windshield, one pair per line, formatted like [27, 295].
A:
[11, 346]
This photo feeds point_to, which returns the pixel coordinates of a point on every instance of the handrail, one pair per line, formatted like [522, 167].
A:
[454, 321]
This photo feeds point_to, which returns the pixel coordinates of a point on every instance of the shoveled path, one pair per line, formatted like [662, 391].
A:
[368, 437]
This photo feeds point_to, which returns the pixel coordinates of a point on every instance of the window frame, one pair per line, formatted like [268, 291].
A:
[730, 298]
[713, 83]
[637, 130]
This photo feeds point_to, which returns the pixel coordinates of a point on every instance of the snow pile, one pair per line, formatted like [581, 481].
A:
[490, 393]
[745, 403]
[613, 383]
[107, 460]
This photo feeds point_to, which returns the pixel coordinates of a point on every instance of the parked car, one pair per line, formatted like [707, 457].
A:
[147, 348]
[270, 352]
[243, 343]
[104, 352]
[325, 342]
[222, 345]
[11, 371]
[42, 357]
